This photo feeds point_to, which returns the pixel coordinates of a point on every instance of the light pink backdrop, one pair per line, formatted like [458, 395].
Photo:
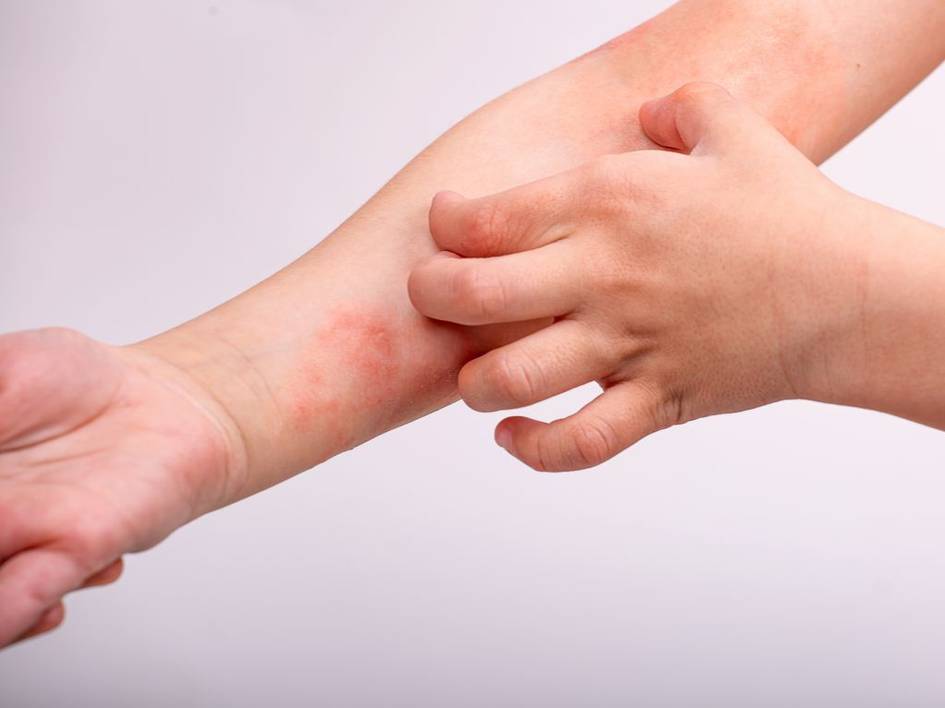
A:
[157, 157]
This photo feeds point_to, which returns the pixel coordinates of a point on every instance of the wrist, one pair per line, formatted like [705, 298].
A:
[199, 374]
[858, 301]
[886, 354]
[826, 279]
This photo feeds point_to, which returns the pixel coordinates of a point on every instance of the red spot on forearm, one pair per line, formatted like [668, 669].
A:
[349, 370]
[369, 346]
[367, 369]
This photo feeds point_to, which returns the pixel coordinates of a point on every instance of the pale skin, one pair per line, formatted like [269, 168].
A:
[105, 450]
[725, 278]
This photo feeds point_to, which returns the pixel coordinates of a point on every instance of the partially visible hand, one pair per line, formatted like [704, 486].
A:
[103, 451]
[685, 284]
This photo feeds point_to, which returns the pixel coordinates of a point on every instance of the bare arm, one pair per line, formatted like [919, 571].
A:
[105, 450]
[330, 348]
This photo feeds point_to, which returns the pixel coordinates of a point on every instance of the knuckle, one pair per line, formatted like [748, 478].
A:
[479, 292]
[39, 590]
[607, 183]
[539, 461]
[612, 281]
[599, 174]
[92, 539]
[665, 404]
[486, 225]
[595, 441]
[514, 382]
[671, 410]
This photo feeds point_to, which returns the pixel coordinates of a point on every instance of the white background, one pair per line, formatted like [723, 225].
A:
[158, 157]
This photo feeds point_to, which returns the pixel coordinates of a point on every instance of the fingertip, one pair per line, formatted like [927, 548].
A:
[424, 282]
[468, 383]
[657, 122]
[684, 118]
[440, 217]
[503, 436]
[415, 287]
[443, 201]
[417, 281]
[514, 435]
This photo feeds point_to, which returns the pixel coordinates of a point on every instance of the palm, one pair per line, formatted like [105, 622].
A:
[100, 450]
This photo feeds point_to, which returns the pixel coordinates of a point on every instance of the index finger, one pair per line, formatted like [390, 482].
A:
[518, 219]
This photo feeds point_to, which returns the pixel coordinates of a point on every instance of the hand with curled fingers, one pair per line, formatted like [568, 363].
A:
[103, 451]
[687, 281]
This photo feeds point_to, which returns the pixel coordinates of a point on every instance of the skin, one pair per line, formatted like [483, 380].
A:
[767, 282]
[105, 450]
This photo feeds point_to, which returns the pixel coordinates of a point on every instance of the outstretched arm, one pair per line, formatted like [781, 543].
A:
[107, 450]
[328, 352]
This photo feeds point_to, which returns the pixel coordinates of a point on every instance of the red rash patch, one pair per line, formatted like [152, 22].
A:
[367, 369]
[366, 343]
[349, 376]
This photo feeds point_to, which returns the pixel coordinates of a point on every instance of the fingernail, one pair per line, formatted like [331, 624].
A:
[503, 438]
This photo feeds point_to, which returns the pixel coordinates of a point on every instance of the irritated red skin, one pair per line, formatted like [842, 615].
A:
[369, 349]
[359, 375]
[363, 355]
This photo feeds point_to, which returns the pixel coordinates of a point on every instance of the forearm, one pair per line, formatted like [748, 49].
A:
[329, 352]
[821, 71]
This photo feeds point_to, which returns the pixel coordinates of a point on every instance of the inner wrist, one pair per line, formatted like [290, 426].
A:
[198, 370]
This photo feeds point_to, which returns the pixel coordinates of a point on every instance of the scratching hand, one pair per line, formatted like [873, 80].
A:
[686, 282]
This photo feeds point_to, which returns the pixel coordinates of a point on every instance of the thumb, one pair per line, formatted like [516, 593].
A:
[699, 118]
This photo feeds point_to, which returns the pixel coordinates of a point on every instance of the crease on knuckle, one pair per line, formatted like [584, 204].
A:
[667, 406]
[595, 441]
[514, 381]
[485, 227]
[539, 461]
[480, 293]
[674, 409]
